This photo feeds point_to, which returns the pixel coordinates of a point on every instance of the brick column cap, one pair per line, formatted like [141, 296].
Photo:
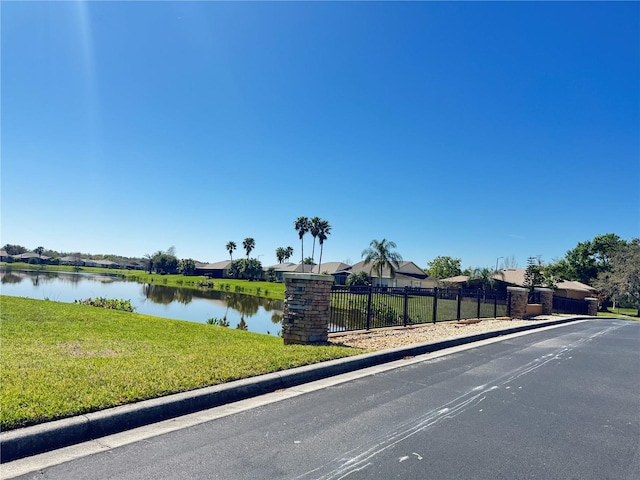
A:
[591, 299]
[308, 276]
[543, 289]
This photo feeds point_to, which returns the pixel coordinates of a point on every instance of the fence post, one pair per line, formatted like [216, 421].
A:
[307, 305]
[435, 303]
[518, 302]
[459, 303]
[495, 304]
[478, 312]
[369, 307]
[406, 306]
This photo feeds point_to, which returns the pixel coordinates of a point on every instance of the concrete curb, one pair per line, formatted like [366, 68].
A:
[25, 442]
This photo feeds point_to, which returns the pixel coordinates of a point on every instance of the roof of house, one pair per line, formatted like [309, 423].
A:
[406, 268]
[222, 265]
[28, 255]
[3, 253]
[331, 267]
[291, 267]
[513, 276]
[573, 285]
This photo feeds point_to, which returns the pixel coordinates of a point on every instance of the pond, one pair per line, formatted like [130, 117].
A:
[261, 315]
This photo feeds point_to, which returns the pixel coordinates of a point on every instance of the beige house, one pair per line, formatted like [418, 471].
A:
[515, 277]
[408, 275]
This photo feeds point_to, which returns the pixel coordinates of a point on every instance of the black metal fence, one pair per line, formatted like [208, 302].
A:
[366, 307]
[570, 305]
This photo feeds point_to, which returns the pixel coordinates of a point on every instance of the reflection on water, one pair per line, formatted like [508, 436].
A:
[245, 312]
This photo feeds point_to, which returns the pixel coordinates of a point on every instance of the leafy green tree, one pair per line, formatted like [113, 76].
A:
[623, 277]
[308, 261]
[39, 251]
[533, 276]
[302, 226]
[187, 266]
[165, 263]
[248, 244]
[231, 246]
[444, 267]
[271, 274]
[381, 255]
[246, 269]
[324, 230]
[360, 278]
[14, 249]
[588, 259]
[314, 230]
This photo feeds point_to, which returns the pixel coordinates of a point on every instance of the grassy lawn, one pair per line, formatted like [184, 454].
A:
[261, 289]
[629, 313]
[61, 359]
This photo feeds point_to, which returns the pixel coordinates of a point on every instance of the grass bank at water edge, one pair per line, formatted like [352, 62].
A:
[60, 360]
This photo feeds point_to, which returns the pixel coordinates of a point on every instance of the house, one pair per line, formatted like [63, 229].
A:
[573, 289]
[27, 257]
[100, 263]
[339, 270]
[288, 267]
[408, 275]
[71, 260]
[214, 270]
[515, 277]
[4, 256]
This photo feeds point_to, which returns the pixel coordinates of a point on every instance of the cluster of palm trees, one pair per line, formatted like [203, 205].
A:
[283, 254]
[248, 244]
[318, 228]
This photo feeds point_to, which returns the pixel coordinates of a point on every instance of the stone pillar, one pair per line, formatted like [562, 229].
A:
[546, 299]
[593, 306]
[307, 298]
[518, 302]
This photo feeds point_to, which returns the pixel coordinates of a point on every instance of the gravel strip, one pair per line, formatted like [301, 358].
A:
[384, 338]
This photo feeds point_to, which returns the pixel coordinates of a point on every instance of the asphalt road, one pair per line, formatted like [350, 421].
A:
[562, 403]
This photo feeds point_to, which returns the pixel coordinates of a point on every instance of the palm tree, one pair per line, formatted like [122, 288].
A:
[302, 226]
[324, 229]
[288, 253]
[281, 253]
[248, 244]
[314, 229]
[381, 255]
[231, 246]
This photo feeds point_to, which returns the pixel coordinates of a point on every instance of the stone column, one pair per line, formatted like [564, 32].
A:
[546, 299]
[307, 298]
[593, 306]
[518, 302]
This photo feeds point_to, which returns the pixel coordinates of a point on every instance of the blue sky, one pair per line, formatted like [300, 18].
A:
[472, 129]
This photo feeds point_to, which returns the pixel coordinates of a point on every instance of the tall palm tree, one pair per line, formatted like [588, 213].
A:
[231, 246]
[324, 230]
[381, 255]
[248, 244]
[302, 226]
[314, 229]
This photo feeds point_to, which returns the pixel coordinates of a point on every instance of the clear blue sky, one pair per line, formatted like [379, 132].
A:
[476, 130]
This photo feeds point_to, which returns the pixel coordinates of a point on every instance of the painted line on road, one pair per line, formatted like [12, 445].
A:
[56, 457]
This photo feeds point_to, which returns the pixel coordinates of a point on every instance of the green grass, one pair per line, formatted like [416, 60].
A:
[630, 313]
[60, 360]
[261, 289]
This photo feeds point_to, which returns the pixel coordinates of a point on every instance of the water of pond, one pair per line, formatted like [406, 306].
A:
[260, 315]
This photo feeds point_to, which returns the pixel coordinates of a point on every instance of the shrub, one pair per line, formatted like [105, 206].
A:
[220, 322]
[110, 303]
